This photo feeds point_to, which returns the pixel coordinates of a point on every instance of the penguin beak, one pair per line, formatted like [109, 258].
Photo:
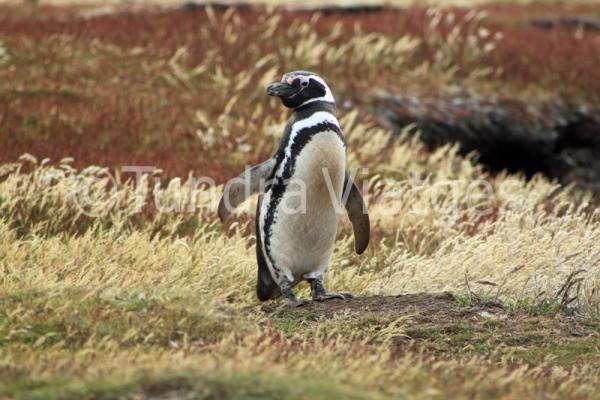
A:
[281, 89]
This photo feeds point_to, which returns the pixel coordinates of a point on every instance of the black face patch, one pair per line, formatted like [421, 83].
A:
[304, 92]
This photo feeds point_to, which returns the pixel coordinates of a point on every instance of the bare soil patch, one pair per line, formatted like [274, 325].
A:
[422, 307]
[442, 325]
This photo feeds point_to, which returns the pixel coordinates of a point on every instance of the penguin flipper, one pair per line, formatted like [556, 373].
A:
[358, 214]
[240, 188]
[266, 287]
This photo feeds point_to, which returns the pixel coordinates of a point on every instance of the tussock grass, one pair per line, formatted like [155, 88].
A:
[430, 239]
[122, 304]
[131, 302]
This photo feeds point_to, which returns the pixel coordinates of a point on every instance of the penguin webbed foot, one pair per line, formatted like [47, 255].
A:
[294, 303]
[331, 296]
[292, 300]
[319, 293]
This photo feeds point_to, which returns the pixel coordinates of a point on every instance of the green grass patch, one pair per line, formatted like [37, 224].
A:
[189, 385]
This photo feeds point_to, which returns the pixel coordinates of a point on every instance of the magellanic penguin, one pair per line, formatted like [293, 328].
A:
[301, 189]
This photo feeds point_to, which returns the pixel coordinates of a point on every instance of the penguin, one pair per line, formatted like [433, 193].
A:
[301, 189]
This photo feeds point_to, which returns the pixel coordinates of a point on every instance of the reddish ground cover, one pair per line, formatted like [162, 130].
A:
[143, 121]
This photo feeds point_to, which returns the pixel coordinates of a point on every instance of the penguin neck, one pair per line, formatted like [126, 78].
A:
[313, 107]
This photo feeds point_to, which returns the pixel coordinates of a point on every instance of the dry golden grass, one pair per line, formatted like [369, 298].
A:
[133, 303]
[431, 238]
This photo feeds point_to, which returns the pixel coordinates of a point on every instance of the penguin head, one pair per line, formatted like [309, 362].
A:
[299, 88]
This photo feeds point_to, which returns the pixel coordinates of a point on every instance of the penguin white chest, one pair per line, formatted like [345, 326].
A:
[306, 218]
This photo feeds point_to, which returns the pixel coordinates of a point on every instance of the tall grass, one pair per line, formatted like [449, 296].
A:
[102, 294]
[432, 233]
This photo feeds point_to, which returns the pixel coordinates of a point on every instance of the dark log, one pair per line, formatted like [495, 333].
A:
[559, 140]
[586, 24]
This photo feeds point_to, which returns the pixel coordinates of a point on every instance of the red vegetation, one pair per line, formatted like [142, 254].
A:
[118, 115]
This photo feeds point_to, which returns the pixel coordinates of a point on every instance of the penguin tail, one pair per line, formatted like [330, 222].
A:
[266, 287]
[267, 290]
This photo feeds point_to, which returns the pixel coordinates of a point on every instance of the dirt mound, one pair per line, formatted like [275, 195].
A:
[420, 307]
[442, 324]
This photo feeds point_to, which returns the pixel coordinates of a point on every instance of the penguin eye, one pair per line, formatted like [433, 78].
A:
[304, 83]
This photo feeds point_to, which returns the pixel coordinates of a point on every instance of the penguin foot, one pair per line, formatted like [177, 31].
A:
[296, 303]
[292, 301]
[331, 296]
[319, 293]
